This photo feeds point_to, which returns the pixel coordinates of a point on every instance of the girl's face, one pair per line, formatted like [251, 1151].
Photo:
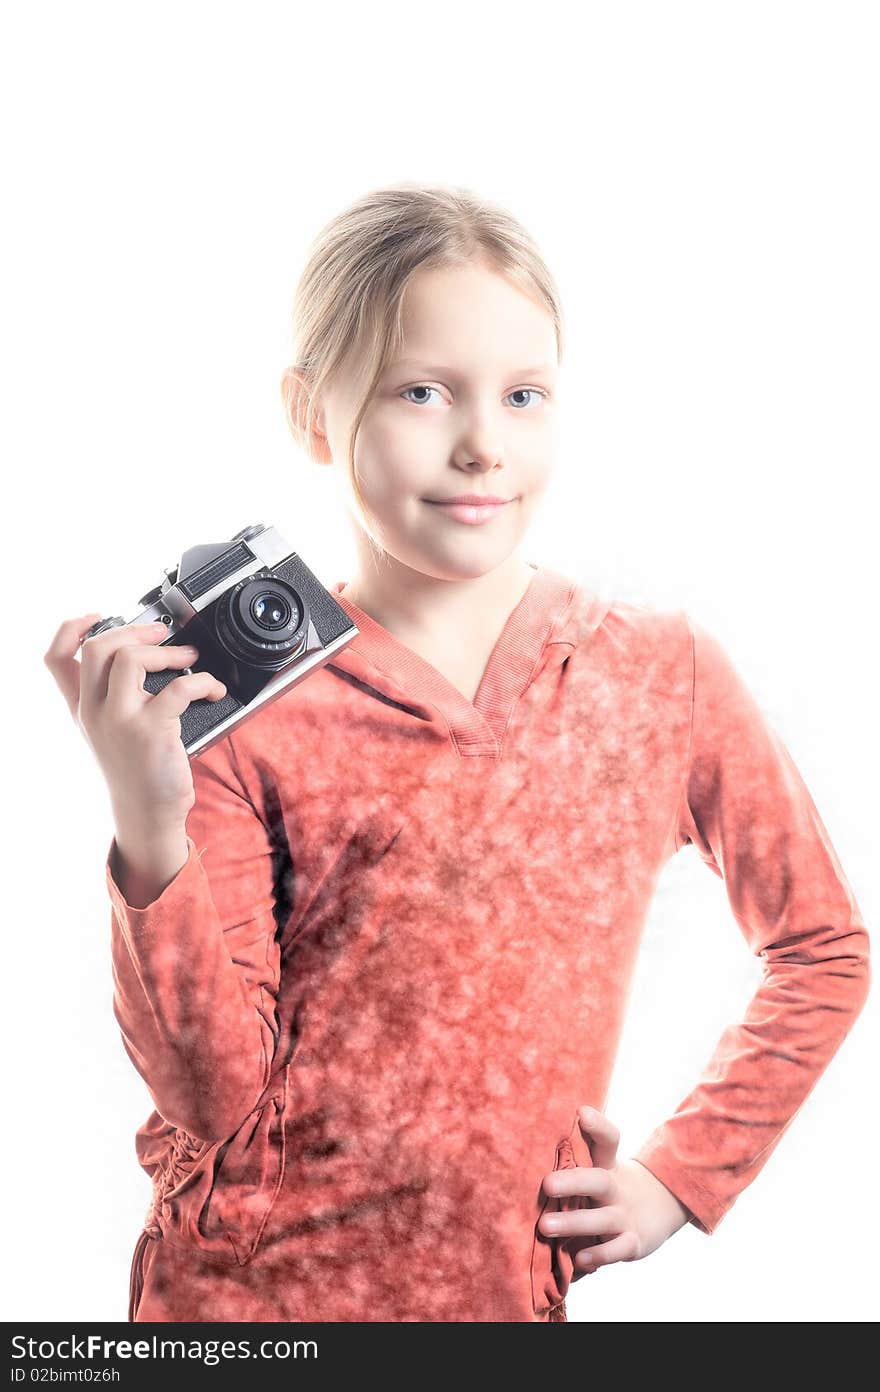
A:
[468, 408]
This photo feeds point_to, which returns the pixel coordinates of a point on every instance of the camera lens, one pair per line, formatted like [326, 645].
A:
[263, 620]
[271, 611]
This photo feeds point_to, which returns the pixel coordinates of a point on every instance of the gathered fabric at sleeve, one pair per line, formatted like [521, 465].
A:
[196, 972]
[747, 810]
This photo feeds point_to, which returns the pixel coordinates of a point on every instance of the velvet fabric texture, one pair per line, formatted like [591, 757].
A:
[397, 961]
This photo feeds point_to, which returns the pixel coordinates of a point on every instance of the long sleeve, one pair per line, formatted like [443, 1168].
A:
[748, 812]
[196, 972]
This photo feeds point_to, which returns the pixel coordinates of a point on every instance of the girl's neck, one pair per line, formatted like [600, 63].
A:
[439, 615]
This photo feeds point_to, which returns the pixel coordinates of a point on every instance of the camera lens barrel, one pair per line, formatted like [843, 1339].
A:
[263, 620]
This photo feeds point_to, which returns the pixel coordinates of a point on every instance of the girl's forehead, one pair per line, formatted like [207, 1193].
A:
[453, 310]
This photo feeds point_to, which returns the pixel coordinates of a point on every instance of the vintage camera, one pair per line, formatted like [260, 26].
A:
[259, 618]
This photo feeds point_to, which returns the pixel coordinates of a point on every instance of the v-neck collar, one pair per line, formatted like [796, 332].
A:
[477, 727]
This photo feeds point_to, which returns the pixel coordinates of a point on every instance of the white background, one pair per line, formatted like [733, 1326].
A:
[702, 181]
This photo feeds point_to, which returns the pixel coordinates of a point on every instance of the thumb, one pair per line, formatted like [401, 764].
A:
[601, 1135]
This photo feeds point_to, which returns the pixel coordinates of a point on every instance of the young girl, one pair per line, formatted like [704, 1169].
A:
[371, 951]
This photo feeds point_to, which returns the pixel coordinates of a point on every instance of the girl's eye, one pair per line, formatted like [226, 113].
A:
[418, 388]
[520, 391]
[529, 391]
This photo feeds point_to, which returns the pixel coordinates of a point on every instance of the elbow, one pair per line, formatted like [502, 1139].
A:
[210, 1115]
[856, 969]
[864, 974]
[861, 955]
[210, 1105]
[213, 1124]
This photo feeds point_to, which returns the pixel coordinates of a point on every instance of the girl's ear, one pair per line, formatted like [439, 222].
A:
[294, 396]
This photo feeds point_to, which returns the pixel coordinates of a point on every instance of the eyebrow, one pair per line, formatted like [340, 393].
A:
[435, 370]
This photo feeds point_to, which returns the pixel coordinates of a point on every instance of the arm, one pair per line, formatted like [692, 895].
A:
[196, 971]
[748, 812]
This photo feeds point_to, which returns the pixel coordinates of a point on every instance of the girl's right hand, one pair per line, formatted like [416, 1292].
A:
[134, 735]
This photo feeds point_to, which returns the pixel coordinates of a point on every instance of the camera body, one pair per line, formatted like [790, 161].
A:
[259, 618]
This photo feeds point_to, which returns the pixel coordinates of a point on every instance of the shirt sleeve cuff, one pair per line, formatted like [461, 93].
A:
[705, 1210]
[144, 920]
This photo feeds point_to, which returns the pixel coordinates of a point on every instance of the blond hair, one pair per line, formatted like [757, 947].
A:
[348, 304]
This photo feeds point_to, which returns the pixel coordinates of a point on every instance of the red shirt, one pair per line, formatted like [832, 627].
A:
[397, 959]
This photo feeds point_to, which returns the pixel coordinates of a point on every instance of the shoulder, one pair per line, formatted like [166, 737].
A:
[627, 625]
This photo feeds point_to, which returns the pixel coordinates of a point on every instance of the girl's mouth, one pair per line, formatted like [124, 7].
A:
[473, 514]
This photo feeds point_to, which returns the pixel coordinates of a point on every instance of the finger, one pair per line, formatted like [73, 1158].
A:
[581, 1222]
[60, 657]
[580, 1181]
[624, 1247]
[173, 699]
[99, 652]
[131, 663]
[601, 1135]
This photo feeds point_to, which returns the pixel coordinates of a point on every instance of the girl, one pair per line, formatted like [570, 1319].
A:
[371, 951]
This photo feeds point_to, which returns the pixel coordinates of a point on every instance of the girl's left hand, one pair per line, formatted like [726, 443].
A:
[632, 1213]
